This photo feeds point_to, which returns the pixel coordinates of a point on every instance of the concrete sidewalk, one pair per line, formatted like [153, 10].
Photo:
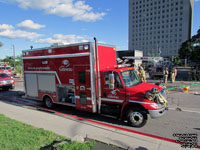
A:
[71, 127]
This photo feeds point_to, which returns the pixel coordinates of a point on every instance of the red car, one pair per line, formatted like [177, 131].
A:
[6, 82]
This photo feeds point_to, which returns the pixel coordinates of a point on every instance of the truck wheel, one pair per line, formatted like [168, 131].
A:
[48, 102]
[136, 117]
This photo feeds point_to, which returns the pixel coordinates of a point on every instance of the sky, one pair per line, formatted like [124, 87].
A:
[41, 23]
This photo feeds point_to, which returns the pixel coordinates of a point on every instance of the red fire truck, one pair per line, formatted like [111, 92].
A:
[5, 68]
[85, 76]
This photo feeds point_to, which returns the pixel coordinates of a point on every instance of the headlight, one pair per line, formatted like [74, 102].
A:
[156, 106]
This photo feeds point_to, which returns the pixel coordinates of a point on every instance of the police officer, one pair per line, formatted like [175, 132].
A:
[165, 75]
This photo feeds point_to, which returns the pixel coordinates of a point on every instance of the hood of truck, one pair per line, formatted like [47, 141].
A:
[8, 78]
[137, 92]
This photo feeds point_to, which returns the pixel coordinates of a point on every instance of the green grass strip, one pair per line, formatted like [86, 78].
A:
[182, 86]
[15, 135]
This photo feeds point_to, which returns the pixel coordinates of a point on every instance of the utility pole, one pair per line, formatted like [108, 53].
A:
[14, 55]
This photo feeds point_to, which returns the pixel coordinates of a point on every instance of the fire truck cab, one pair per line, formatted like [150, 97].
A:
[5, 68]
[153, 65]
[86, 76]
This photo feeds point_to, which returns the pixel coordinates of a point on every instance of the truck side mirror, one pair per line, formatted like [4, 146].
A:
[111, 81]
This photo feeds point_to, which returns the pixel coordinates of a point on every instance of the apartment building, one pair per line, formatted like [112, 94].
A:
[159, 27]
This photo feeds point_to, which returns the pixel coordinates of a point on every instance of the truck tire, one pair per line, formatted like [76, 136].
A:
[136, 117]
[48, 102]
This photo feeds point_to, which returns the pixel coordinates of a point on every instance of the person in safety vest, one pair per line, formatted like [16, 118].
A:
[173, 74]
[165, 75]
[142, 74]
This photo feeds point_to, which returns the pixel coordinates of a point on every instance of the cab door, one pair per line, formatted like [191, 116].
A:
[83, 88]
[116, 95]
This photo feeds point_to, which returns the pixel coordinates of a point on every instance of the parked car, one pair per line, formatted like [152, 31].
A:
[6, 82]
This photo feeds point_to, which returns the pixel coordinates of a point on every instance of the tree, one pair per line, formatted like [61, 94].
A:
[176, 61]
[10, 60]
[190, 49]
[1, 44]
[152, 54]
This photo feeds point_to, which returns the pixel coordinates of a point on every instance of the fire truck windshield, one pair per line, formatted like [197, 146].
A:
[3, 75]
[130, 78]
[5, 68]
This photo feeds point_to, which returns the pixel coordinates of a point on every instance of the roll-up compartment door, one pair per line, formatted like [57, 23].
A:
[47, 83]
[31, 85]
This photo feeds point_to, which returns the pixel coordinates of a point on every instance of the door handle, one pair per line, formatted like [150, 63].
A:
[88, 89]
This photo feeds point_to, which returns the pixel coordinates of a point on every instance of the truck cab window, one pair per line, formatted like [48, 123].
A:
[118, 82]
[81, 77]
[106, 76]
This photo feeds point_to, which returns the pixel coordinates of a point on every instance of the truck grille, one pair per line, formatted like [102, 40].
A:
[5, 82]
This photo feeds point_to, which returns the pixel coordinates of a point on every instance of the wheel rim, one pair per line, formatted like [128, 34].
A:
[48, 103]
[136, 118]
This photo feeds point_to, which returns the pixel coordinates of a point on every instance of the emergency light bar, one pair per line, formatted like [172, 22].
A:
[122, 65]
[144, 58]
[3, 63]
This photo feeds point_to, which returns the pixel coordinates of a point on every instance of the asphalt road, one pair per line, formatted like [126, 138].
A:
[174, 121]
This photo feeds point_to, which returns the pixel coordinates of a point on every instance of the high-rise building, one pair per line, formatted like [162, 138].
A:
[159, 26]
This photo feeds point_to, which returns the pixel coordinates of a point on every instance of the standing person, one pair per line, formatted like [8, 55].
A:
[198, 73]
[173, 74]
[194, 73]
[142, 74]
[170, 73]
[190, 74]
[176, 72]
[165, 75]
[137, 71]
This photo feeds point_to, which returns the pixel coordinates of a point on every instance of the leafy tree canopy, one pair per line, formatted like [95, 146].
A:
[11, 60]
[190, 49]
